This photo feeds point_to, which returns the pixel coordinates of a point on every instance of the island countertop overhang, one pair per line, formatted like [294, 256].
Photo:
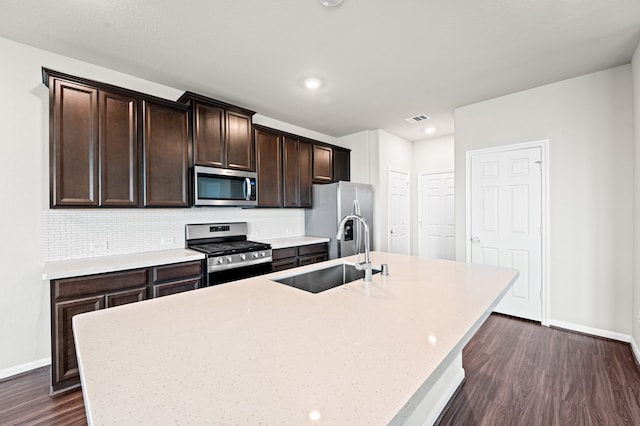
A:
[350, 356]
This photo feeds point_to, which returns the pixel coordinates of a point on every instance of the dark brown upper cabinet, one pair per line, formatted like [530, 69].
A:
[118, 150]
[94, 147]
[221, 133]
[109, 145]
[297, 157]
[74, 144]
[322, 164]
[269, 168]
[341, 164]
[166, 154]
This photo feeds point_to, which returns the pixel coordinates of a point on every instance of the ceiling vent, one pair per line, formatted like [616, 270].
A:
[417, 118]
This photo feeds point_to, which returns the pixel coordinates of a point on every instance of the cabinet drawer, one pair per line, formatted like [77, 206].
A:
[312, 249]
[306, 260]
[103, 283]
[166, 289]
[284, 253]
[284, 264]
[127, 296]
[176, 271]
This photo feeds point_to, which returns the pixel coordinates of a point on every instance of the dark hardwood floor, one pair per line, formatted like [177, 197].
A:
[521, 373]
[517, 373]
[25, 400]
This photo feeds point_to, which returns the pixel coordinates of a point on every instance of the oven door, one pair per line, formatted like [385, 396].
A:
[223, 187]
[227, 275]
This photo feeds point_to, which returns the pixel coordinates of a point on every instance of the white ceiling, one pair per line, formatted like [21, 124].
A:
[382, 61]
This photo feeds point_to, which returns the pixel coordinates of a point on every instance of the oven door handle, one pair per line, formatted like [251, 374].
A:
[247, 189]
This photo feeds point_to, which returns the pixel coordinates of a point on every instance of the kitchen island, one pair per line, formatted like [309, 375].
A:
[259, 352]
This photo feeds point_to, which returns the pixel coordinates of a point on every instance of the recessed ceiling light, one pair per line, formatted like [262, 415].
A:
[330, 3]
[430, 130]
[312, 83]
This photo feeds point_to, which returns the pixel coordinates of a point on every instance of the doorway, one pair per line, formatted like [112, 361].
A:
[398, 212]
[436, 215]
[506, 221]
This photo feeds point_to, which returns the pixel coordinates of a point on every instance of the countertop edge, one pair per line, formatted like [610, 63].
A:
[119, 262]
[287, 242]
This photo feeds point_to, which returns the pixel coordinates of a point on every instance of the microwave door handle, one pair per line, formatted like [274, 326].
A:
[247, 190]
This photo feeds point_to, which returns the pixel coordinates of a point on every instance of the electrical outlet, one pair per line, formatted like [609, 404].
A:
[167, 241]
[98, 246]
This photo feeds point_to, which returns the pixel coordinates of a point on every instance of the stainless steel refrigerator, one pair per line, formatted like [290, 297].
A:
[332, 202]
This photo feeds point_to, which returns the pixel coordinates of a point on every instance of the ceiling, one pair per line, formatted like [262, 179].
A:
[381, 61]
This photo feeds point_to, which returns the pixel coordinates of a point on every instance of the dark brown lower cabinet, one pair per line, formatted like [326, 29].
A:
[64, 370]
[77, 295]
[292, 257]
[175, 278]
[174, 287]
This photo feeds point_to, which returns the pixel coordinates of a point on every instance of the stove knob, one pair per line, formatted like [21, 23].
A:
[220, 260]
[262, 254]
[243, 256]
[255, 254]
[229, 259]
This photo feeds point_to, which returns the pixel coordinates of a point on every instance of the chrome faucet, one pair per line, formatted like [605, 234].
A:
[365, 266]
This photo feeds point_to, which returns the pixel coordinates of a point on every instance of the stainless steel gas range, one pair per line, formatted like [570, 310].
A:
[230, 256]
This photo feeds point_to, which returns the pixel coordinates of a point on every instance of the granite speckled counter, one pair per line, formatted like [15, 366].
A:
[259, 352]
[98, 265]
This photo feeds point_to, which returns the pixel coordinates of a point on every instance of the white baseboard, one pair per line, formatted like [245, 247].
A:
[593, 331]
[12, 371]
[635, 350]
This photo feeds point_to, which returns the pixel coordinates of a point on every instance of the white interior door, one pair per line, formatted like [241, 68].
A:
[436, 215]
[506, 223]
[398, 229]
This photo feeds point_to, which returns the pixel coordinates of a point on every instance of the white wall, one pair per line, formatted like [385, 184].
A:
[588, 121]
[360, 146]
[429, 155]
[635, 315]
[392, 153]
[26, 221]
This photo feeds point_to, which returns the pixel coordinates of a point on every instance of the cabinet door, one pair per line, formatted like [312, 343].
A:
[240, 146]
[305, 156]
[322, 163]
[166, 155]
[208, 135]
[174, 287]
[118, 150]
[341, 165]
[269, 168]
[290, 165]
[125, 297]
[64, 371]
[74, 145]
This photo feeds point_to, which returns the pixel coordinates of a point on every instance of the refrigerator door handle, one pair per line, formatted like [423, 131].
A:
[358, 227]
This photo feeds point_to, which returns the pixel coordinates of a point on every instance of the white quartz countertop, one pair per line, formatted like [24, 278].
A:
[121, 262]
[285, 242]
[259, 352]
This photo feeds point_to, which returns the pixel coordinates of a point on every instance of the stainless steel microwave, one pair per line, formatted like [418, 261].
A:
[223, 187]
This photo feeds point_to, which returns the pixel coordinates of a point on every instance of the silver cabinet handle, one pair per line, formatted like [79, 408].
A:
[475, 240]
[393, 231]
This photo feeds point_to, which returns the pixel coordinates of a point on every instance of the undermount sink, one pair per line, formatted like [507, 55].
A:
[323, 279]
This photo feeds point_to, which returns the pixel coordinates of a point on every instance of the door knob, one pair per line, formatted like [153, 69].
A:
[475, 240]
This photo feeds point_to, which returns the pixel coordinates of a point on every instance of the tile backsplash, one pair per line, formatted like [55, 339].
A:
[75, 234]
